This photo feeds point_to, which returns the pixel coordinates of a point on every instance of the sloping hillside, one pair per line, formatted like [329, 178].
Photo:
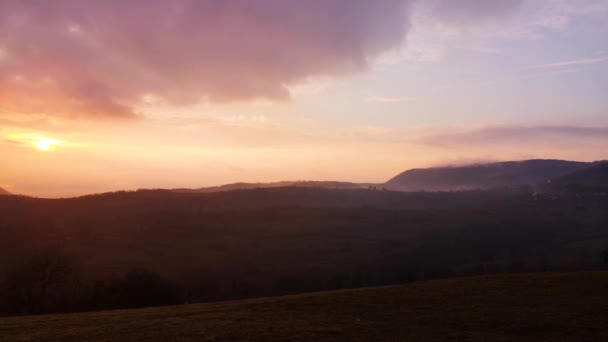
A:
[298, 184]
[4, 192]
[595, 175]
[548, 306]
[514, 173]
[251, 243]
[481, 176]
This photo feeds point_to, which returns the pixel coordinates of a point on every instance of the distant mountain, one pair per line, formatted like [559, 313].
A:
[595, 176]
[299, 184]
[484, 176]
[453, 178]
[4, 192]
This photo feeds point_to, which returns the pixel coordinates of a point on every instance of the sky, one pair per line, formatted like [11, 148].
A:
[106, 95]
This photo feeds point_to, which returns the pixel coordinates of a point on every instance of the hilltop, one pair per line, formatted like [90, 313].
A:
[297, 184]
[533, 172]
[508, 174]
[596, 175]
[547, 306]
[485, 176]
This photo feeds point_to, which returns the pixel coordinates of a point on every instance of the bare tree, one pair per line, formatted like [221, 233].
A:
[44, 283]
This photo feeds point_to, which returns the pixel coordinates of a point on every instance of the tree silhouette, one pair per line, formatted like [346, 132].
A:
[44, 283]
[142, 288]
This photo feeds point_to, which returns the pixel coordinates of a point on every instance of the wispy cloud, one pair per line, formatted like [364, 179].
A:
[465, 12]
[12, 142]
[514, 135]
[582, 61]
[486, 50]
[382, 99]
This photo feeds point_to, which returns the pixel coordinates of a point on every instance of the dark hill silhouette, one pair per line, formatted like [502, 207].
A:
[262, 242]
[596, 174]
[451, 178]
[298, 184]
[484, 176]
[4, 192]
[593, 179]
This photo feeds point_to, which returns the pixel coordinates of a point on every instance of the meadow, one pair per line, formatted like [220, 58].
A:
[540, 306]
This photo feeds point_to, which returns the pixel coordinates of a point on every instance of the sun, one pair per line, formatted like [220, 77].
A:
[36, 141]
[46, 144]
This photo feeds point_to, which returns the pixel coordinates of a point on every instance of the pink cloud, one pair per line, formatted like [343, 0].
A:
[97, 58]
[518, 135]
[469, 11]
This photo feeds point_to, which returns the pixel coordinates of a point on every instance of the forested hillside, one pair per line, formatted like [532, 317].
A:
[239, 244]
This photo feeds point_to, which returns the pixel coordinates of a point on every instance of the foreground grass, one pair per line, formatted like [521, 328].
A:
[550, 306]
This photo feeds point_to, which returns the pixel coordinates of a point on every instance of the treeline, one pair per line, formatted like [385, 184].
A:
[52, 282]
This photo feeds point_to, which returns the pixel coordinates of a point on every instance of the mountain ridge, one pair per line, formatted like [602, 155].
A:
[531, 172]
[280, 184]
[484, 176]
[481, 176]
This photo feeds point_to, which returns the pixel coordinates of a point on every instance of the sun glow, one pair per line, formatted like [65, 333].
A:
[36, 141]
[46, 144]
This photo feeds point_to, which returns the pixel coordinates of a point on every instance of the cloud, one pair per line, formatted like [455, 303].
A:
[12, 142]
[510, 19]
[557, 16]
[518, 135]
[465, 12]
[441, 25]
[380, 99]
[464, 161]
[488, 51]
[576, 62]
[97, 58]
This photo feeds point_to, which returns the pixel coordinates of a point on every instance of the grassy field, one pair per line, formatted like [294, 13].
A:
[549, 306]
